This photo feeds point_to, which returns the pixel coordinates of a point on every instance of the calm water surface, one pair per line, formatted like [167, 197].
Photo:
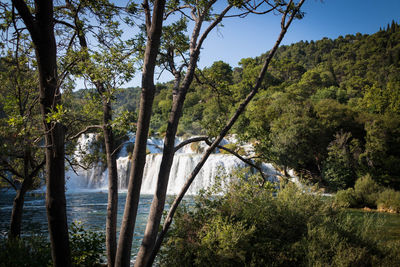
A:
[88, 207]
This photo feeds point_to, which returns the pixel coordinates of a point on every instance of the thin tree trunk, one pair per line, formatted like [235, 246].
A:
[18, 204]
[154, 29]
[16, 215]
[41, 29]
[157, 205]
[112, 205]
[224, 131]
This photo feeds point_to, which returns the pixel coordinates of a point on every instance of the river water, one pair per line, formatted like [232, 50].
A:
[88, 207]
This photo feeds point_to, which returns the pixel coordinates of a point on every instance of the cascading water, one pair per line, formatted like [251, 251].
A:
[184, 162]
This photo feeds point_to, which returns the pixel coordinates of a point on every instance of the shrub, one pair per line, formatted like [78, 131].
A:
[365, 194]
[28, 251]
[251, 225]
[389, 200]
[87, 249]
[367, 191]
[346, 198]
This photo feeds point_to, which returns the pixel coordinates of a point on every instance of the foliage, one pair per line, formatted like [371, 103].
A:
[340, 165]
[251, 225]
[28, 251]
[389, 200]
[20, 124]
[329, 108]
[367, 193]
[87, 248]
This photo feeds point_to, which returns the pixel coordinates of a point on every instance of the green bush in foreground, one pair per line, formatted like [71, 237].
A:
[28, 251]
[87, 249]
[253, 226]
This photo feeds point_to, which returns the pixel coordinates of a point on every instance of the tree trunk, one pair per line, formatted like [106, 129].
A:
[157, 205]
[112, 205]
[16, 215]
[18, 204]
[41, 29]
[139, 152]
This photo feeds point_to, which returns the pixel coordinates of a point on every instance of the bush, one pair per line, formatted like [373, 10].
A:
[367, 191]
[365, 194]
[87, 249]
[29, 251]
[254, 226]
[346, 198]
[389, 200]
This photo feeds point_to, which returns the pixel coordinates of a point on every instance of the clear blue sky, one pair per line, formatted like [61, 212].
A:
[254, 35]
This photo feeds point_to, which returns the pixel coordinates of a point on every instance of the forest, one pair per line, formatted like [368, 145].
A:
[329, 109]
[326, 111]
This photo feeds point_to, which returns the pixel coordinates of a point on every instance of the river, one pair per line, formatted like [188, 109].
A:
[86, 206]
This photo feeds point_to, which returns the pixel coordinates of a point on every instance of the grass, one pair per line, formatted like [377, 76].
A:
[388, 224]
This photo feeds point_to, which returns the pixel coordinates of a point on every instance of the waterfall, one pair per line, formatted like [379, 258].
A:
[184, 162]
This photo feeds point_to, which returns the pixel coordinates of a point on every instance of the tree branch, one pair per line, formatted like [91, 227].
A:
[247, 161]
[224, 131]
[26, 16]
[191, 140]
[9, 181]
[146, 9]
[124, 143]
[88, 128]
[211, 26]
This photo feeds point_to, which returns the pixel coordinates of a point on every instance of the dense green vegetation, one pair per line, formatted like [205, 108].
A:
[329, 109]
[87, 249]
[253, 226]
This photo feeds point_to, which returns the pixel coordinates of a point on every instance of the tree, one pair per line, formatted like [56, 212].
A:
[106, 67]
[290, 9]
[199, 13]
[39, 22]
[21, 158]
[153, 29]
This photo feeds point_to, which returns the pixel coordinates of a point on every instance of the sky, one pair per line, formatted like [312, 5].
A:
[251, 36]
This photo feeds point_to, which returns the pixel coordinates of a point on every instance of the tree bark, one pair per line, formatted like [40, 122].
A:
[112, 205]
[18, 203]
[41, 29]
[157, 205]
[222, 134]
[16, 215]
[139, 152]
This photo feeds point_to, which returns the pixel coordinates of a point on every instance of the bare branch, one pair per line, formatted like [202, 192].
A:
[65, 23]
[190, 140]
[8, 181]
[71, 165]
[88, 128]
[10, 168]
[178, 9]
[247, 161]
[124, 143]
[211, 26]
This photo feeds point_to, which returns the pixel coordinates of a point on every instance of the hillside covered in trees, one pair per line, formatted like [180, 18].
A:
[329, 109]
